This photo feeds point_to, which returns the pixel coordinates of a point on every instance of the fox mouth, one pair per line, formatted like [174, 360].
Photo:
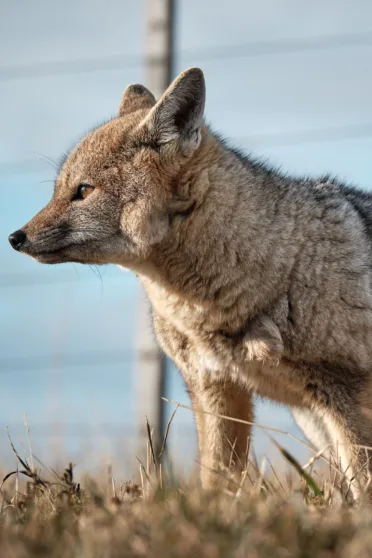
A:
[57, 255]
[45, 253]
[62, 250]
[76, 252]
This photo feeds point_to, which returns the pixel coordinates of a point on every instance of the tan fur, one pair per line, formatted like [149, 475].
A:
[258, 283]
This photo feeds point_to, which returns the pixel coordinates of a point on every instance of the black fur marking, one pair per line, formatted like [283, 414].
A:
[185, 212]
[187, 107]
[318, 393]
[290, 317]
[138, 89]
[148, 144]
[184, 343]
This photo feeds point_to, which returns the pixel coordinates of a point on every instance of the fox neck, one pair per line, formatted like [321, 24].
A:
[221, 251]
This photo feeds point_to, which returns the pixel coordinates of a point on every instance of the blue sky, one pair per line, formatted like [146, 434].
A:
[87, 411]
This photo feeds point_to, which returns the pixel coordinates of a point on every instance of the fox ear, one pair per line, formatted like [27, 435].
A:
[178, 115]
[136, 97]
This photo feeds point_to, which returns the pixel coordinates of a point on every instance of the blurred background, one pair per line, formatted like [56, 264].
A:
[288, 81]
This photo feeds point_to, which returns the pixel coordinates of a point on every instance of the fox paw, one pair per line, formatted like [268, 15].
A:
[263, 341]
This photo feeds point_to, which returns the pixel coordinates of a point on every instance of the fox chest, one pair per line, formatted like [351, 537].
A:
[189, 318]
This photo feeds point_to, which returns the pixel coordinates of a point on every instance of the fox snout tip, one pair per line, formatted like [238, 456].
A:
[17, 239]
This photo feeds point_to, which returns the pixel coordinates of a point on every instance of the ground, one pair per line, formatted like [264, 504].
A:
[259, 513]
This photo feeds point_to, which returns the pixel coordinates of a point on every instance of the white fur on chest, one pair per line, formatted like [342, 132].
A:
[183, 315]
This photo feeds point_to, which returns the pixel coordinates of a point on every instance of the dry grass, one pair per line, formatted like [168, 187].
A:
[255, 514]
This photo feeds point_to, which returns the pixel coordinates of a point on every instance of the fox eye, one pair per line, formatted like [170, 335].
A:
[82, 192]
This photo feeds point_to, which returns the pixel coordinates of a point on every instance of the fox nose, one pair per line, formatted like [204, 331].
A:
[17, 239]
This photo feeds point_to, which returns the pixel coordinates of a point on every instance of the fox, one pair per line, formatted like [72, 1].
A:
[259, 283]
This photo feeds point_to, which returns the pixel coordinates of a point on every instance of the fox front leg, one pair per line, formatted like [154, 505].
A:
[211, 397]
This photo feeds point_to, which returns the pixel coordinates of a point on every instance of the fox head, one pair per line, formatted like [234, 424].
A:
[118, 193]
